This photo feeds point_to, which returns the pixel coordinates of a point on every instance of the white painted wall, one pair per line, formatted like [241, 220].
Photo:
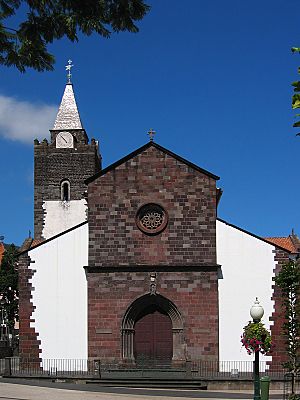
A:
[61, 216]
[60, 295]
[248, 267]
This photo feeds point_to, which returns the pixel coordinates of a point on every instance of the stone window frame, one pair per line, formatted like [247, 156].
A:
[65, 184]
[147, 207]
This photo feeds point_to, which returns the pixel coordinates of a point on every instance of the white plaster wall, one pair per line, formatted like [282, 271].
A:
[60, 295]
[61, 216]
[247, 267]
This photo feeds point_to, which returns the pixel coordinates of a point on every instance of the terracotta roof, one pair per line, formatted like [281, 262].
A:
[29, 243]
[35, 242]
[2, 249]
[285, 242]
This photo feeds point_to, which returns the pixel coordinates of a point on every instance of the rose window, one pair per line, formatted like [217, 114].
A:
[151, 218]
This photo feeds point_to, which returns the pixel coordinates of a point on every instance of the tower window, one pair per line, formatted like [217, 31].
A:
[65, 191]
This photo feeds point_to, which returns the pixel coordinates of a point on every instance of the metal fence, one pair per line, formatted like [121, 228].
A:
[51, 367]
[231, 370]
[291, 389]
[235, 369]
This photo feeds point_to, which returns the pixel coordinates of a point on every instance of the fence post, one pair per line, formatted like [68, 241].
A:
[7, 366]
[188, 368]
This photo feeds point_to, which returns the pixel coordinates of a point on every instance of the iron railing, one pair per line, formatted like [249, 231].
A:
[16, 366]
[235, 369]
[291, 389]
[81, 368]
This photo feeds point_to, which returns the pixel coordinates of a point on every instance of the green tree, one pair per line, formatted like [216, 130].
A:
[9, 286]
[47, 20]
[288, 280]
[296, 95]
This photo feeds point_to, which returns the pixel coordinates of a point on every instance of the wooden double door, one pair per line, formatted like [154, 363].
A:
[153, 338]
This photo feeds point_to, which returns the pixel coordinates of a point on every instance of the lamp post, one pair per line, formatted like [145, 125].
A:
[256, 313]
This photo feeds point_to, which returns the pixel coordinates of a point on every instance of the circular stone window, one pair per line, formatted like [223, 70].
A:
[151, 219]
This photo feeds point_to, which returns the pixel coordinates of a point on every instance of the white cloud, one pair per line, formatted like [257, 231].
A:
[24, 121]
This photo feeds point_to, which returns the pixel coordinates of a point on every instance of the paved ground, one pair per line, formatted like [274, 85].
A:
[37, 390]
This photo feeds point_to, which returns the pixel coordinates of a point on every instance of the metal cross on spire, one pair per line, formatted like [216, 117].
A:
[68, 68]
[151, 133]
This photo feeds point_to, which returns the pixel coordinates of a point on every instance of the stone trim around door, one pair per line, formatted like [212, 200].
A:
[132, 314]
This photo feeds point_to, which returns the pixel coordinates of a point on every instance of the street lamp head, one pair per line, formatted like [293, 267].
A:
[256, 311]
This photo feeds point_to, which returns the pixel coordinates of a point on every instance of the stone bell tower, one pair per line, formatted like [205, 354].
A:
[60, 168]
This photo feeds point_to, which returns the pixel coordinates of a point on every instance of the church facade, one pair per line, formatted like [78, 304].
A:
[132, 260]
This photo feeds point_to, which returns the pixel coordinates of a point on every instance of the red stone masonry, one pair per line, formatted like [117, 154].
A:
[152, 176]
[29, 347]
[183, 256]
[194, 293]
[279, 354]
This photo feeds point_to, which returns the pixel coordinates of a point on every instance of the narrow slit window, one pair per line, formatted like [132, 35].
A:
[65, 191]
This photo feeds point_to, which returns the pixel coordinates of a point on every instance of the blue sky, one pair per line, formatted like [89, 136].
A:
[211, 77]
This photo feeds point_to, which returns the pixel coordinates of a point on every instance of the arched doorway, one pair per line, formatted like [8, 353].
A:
[153, 336]
[145, 316]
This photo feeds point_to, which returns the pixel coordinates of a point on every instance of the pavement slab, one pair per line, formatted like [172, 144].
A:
[37, 390]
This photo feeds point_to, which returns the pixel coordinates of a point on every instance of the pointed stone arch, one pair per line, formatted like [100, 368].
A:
[136, 309]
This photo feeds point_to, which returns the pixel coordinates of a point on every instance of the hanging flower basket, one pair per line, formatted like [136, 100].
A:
[256, 338]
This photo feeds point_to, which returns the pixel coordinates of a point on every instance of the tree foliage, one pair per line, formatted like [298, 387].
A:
[47, 20]
[296, 95]
[288, 280]
[9, 286]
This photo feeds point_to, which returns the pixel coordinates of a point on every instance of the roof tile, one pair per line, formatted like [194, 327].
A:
[285, 242]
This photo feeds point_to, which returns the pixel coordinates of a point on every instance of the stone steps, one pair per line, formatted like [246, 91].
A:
[170, 383]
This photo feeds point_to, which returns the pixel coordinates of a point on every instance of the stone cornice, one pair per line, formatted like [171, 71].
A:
[151, 268]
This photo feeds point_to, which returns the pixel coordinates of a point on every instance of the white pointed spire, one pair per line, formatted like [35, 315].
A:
[68, 116]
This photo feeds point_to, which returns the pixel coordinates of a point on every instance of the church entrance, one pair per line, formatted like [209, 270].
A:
[152, 329]
[153, 337]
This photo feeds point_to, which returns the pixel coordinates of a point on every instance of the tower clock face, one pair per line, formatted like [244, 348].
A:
[64, 139]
